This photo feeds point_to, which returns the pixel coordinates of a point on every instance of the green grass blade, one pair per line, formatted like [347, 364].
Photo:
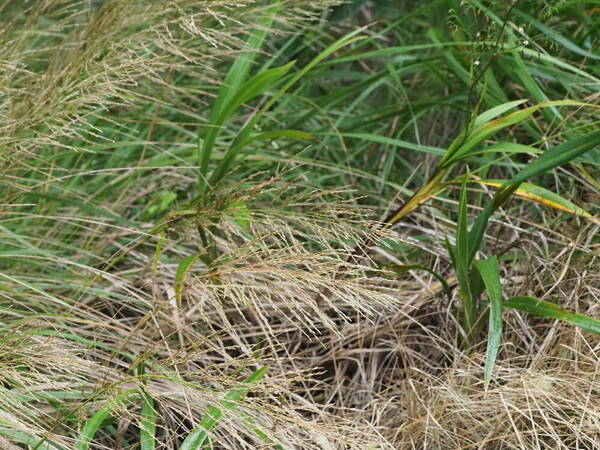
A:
[491, 127]
[557, 156]
[462, 256]
[557, 37]
[479, 226]
[235, 147]
[30, 440]
[148, 424]
[550, 159]
[252, 88]
[496, 111]
[240, 69]
[27, 285]
[182, 270]
[550, 310]
[505, 148]
[393, 142]
[236, 76]
[199, 436]
[272, 135]
[89, 429]
[490, 273]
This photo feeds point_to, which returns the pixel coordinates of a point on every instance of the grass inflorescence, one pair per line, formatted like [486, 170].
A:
[299, 224]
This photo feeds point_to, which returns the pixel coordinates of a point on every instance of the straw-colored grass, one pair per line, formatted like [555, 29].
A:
[180, 271]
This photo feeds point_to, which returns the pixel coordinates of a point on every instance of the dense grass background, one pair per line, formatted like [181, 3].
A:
[163, 287]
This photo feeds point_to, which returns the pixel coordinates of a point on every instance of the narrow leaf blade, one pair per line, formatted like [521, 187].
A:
[550, 310]
[557, 156]
[543, 196]
[490, 273]
[199, 435]
[148, 424]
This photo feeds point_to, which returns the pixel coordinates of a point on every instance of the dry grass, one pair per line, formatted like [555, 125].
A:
[358, 358]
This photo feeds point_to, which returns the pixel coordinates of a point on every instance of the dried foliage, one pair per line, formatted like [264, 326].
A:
[128, 304]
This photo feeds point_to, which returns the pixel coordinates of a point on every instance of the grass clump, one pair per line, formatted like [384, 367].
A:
[298, 224]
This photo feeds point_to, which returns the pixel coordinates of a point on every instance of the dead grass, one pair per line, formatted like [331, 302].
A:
[357, 358]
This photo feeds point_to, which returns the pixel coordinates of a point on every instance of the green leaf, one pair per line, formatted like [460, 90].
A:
[89, 429]
[199, 435]
[487, 129]
[181, 273]
[30, 440]
[244, 134]
[148, 424]
[33, 288]
[557, 156]
[252, 88]
[87, 207]
[551, 159]
[462, 260]
[550, 310]
[478, 229]
[502, 147]
[490, 273]
[393, 142]
[542, 195]
[236, 76]
[272, 135]
[556, 37]
[496, 111]
[241, 213]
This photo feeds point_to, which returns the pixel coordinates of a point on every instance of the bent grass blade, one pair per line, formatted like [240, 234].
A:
[199, 436]
[550, 310]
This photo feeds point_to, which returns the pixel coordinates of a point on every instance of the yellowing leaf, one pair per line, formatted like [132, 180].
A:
[545, 197]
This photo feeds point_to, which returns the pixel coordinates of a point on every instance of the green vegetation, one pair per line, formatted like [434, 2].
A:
[299, 224]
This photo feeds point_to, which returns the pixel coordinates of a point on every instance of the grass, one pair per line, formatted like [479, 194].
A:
[299, 224]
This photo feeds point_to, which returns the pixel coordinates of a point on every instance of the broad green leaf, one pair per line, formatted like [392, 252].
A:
[532, 86]
[549, 160]
[199, 435]
[252, 88]
[479, 226]
[272, 135]
[148, 414]
[490, 273]
[451, 251]
[240, 69]
[550, 310]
